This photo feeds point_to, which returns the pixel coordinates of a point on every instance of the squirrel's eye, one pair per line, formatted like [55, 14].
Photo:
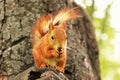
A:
[52, 37]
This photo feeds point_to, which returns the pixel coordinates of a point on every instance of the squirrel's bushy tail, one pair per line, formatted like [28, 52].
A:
[41, 27]
[65, 15]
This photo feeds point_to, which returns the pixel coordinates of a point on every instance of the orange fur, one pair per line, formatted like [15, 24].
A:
[49, 39]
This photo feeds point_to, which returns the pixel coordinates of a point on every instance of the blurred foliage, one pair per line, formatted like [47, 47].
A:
[105, 35]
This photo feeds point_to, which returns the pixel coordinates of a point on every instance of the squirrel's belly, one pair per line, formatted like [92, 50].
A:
[52, 62]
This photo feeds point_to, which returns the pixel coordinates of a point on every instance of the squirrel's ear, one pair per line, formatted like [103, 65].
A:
[51, 27]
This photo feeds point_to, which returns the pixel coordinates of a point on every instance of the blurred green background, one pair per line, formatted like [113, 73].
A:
[105, 15]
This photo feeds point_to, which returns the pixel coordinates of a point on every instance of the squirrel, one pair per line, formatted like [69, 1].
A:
[50, 39]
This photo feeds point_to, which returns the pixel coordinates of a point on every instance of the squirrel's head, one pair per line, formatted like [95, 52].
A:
[57, 27]
[57, 37]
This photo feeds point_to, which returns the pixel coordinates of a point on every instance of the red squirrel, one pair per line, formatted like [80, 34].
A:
[50, 39]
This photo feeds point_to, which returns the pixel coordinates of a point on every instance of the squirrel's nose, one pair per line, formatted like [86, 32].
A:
[59, 49]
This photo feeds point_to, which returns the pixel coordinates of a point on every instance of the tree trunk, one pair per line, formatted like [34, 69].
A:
[16, 20]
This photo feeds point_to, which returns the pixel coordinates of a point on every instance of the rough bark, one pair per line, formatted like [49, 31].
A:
[16, 20]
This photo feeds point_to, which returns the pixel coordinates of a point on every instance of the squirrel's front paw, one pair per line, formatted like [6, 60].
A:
[54, 54]
[60, 69]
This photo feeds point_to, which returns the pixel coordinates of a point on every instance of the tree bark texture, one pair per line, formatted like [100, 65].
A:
[16, 20]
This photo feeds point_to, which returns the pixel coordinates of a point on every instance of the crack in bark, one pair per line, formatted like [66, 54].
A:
[15, 43]
[18, 41]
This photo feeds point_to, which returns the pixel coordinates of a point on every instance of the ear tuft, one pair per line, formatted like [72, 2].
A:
[51, 27]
